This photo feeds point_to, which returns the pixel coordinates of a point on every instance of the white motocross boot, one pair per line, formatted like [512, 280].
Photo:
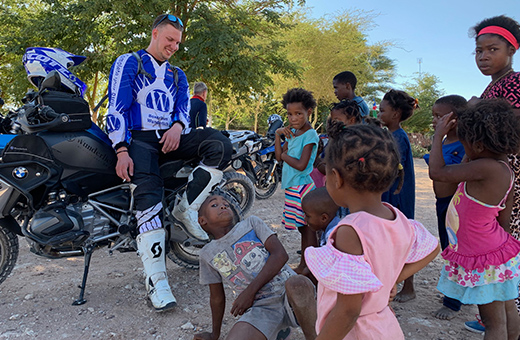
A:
[150, 247]
[201, 182]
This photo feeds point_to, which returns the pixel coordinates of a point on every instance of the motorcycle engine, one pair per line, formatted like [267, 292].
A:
[60, 223]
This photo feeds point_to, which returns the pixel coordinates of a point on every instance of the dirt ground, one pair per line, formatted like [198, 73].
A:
[36, 300]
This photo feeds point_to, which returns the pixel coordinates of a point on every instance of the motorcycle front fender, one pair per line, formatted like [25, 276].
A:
[10, 223]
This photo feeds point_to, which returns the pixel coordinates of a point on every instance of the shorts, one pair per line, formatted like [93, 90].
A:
[272, 316]
[293, 215]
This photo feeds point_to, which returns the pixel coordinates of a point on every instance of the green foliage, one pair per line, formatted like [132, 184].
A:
[229, 44]
[332, 44]
[426, 89]
[418, 151]
[247, 52]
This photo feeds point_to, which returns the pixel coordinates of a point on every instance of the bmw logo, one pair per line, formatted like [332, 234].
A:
[20, 172]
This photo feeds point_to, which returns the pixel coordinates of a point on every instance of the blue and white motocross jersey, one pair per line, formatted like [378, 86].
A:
[139, 103]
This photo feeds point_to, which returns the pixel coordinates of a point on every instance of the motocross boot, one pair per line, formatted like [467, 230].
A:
[201, 182]
[150, 247]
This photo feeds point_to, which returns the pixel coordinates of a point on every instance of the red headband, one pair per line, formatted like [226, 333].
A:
[501, 32]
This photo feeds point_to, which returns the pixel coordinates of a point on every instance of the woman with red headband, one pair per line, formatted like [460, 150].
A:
[497, 40]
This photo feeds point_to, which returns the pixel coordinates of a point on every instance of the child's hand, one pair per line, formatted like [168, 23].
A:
[445, 124]
[393, 293]
[205, 336]
[242, 303]
[286, 131]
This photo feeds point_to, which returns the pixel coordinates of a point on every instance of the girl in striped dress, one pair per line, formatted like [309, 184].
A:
[298, 155]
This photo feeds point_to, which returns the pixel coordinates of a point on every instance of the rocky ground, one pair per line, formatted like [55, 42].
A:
[36, 300]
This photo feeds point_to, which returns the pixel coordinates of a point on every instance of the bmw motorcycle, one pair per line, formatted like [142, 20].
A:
[255, 156]
[59, 189]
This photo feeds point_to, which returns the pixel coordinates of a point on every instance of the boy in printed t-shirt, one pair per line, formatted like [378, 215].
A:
[248, 256]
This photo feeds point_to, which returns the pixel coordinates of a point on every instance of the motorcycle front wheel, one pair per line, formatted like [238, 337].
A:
[185, 256]
[241, 189]
[263, 187]
[8, 252]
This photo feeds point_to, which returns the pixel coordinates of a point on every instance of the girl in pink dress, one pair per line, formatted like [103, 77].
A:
[497, 39]
[372, 248]
[482, 261]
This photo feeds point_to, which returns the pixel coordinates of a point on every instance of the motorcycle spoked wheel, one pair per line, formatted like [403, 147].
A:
[241, 189]
[184, 256]
[8, 252]
[188, 256]
[263, 188]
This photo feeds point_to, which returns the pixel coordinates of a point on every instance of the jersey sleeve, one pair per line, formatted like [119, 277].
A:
[181, 110]
[423, 245]
[341, 272]
[120, 96]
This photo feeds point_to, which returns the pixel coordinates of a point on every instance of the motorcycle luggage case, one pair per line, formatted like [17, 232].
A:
[73, 105]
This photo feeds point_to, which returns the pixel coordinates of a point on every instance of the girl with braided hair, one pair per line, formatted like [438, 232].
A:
[482, 260]
[396, 107]
[497, 39]
[370, 249]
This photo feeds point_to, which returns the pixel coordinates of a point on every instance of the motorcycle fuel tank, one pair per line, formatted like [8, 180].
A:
[81, 150]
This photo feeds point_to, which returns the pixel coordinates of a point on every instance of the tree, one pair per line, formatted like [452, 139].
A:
[426, 89]
[229, 44]
[332, 44]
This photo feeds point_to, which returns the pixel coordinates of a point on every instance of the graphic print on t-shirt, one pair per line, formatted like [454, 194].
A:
[250, 254]
[452, 219]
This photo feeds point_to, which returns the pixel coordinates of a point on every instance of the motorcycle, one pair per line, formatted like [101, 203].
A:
[59, 189]
[255, 156]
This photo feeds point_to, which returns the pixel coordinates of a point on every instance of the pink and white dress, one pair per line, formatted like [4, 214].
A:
[482, 261]
[387, 246]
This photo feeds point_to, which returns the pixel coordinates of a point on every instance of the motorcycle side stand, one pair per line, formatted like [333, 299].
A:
[88, 256]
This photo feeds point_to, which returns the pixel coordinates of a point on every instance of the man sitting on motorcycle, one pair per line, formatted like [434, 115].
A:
[148, 121]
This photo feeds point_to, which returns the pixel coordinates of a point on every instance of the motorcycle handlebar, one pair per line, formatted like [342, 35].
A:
[45, 112]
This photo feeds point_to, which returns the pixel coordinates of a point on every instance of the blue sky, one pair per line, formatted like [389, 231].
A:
[436, 31]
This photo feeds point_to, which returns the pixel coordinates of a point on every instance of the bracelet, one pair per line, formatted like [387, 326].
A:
[121, 151]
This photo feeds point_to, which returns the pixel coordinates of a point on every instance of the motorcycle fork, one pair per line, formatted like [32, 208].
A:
[88, 250]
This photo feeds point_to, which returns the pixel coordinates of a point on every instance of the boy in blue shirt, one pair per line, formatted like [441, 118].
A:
[453, 152]
[344, 88]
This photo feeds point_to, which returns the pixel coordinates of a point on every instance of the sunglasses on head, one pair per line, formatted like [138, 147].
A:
[172, 18]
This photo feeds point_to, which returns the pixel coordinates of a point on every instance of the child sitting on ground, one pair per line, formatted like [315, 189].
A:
[372, 248]
[320, 212]
[452, 152]
[249, 257]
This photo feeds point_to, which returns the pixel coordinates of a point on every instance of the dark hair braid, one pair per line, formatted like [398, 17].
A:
[492, 123]
[366, 156]
[299, 95]
[349, 108]
[400, 100]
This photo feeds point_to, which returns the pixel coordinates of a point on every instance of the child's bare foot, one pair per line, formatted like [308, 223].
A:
[407, 293]
[445, 313]
[404, 297]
